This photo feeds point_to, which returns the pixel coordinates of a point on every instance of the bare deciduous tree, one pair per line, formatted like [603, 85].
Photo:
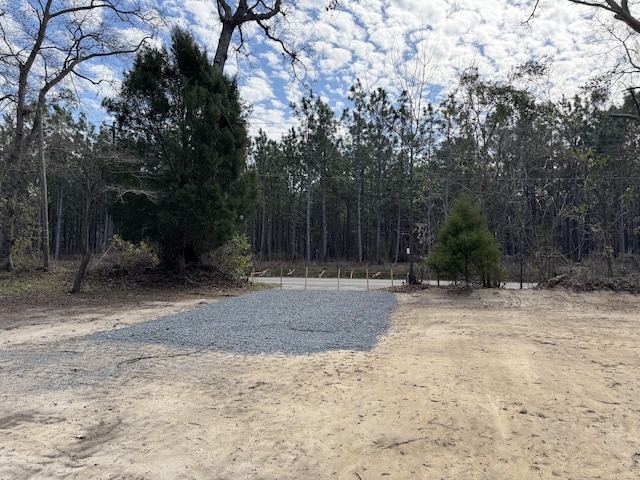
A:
[42, 44]
[231, 20]
[266, 15]
[629, 64]
[620, 10]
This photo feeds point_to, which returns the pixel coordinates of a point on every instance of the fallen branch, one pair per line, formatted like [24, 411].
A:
[149, 357]
[397, 444]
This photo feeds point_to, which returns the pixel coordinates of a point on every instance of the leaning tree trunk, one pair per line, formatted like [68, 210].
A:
[82, 270]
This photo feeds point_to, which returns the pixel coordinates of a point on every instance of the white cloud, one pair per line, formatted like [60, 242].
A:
[256, 89]
[375, 39]
[273, 121]
[335, 59]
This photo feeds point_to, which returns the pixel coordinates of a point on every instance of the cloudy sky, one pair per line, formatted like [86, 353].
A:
[387, 42]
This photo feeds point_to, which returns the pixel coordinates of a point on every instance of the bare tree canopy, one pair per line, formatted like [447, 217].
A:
[42, 43]
[259, 12]
[265, 14]
[620, 10]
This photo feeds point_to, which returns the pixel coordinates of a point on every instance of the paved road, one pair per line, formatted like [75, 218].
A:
[294, 283]
[327, 283]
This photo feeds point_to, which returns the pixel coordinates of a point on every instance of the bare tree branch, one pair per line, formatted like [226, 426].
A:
[40, 48]
[258, 12]
[620, 10]
[291, 53]
[532, 14]
[120, 192]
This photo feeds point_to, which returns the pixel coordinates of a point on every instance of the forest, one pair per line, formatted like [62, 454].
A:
[558, 182]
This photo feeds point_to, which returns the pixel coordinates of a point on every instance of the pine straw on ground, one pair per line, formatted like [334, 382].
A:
[408, 288]
[195, 279]
[36, 288]
[582, 282]
[574, 281]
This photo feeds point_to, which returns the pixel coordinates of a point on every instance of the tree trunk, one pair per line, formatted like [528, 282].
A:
[379, 216]
[398, 225]
[359, 219]
[270, 234]
[181, 264]
[622, 243]
[294, 236]
[6, 243]
[44, 196]
[10, 191]
[412, 275]
[107, 231]
[86, 250]
[232, 20]
[324, 217]
[59, 222]
[263, 236]
[223, 45]
[308, 207]
[12, 182]
[82, 270]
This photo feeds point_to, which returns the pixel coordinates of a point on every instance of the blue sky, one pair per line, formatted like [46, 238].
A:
[386, 42]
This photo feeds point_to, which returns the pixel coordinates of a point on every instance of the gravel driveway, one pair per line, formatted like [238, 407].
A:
[271, 321]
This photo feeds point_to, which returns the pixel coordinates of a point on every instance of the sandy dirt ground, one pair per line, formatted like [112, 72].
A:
[473, 384]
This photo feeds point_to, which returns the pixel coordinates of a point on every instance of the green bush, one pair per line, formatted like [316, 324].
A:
[233, 259]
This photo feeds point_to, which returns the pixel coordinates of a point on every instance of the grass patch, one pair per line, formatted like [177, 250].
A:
[29, 278]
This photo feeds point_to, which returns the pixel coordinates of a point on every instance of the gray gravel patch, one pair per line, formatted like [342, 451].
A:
[271, 321]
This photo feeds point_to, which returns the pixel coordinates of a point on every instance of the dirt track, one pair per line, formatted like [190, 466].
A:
[468, 385]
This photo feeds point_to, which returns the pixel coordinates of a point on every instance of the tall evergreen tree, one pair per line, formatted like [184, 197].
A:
[191, 190]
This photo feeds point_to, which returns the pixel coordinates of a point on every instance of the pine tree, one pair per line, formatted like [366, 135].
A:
[191, 190]
[466, 248]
